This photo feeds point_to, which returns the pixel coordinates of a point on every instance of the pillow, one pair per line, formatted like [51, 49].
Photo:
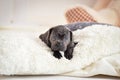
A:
[23, 53]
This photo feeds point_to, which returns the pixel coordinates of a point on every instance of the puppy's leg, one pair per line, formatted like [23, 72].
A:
[69, 52]
[57, 54]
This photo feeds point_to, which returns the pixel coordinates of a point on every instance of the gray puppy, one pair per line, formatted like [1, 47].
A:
[59, 38]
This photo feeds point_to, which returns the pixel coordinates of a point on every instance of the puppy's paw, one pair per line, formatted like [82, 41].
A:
[75, 43]
[57, 54]
[68, 56]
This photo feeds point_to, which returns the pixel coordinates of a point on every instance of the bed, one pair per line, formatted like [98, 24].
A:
[23, 53]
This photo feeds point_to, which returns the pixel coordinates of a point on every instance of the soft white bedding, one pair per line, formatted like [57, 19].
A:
[97, 52]
[56, 78]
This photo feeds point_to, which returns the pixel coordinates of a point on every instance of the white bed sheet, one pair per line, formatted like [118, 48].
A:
[92, 71]
[56, 78]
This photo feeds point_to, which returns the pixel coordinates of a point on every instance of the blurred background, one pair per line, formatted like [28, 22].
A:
[36, 12]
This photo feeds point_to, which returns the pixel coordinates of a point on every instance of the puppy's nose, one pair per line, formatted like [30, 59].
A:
[59, 44]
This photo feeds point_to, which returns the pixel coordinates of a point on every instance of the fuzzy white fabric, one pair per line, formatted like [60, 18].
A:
[97, 52]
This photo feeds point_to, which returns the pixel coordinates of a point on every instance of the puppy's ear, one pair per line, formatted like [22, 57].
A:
[71, 36]
[45, 37]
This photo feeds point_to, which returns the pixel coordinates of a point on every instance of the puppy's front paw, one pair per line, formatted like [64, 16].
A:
[57, 54]
[68, 56]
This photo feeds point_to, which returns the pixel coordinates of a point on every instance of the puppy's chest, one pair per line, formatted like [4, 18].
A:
[62, 53]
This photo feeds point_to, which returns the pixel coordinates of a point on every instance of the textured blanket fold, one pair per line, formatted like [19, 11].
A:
[97, 52]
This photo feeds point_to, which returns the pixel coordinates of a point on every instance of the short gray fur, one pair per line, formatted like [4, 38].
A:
[81, 25]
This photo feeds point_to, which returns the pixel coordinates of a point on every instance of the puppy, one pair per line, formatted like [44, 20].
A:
[59, 38]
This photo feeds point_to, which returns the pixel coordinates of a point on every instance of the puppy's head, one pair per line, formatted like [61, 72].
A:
[57, 38]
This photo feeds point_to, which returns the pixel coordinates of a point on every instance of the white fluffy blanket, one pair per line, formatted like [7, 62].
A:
[97, 52]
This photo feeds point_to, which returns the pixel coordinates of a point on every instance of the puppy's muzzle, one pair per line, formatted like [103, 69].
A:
[59, 46]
